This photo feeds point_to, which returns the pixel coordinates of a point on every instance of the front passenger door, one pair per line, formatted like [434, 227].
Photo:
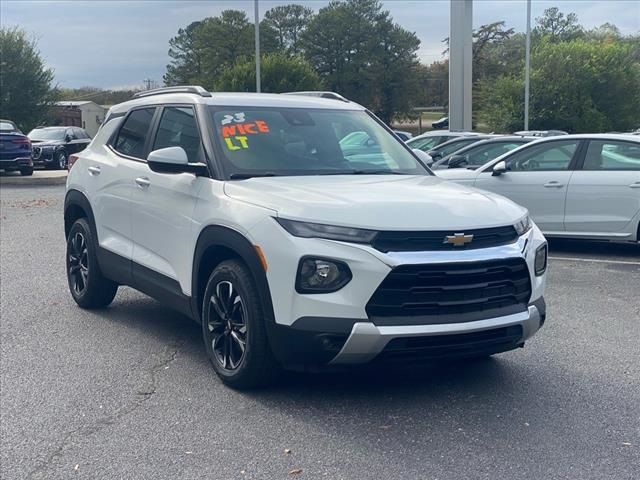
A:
[537, 178]
[163, 207]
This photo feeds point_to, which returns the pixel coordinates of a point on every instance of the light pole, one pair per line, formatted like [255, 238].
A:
[460, 64]
[527, 56]
[257, 29]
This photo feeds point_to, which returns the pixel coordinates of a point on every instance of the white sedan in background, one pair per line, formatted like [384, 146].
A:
[579, 186]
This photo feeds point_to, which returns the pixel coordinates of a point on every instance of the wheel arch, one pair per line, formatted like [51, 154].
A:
[215, 245]
[76, 205]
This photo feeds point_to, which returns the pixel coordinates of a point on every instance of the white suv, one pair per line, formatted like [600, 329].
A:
[244, 212]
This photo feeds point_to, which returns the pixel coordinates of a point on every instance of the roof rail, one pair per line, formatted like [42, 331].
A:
[319, 94]
[177, 89]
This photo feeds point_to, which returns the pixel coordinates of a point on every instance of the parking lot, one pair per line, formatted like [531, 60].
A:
[128, 392]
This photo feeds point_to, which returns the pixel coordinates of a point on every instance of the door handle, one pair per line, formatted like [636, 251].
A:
[635, 185]
[94, 170]
[553, 185]
[143, 182]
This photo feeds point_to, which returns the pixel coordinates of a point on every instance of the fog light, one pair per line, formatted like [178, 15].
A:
[319, 275]
[540, 264]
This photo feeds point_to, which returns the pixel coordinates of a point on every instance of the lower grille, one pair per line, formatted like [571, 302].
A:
[450, 293]
[446, 346]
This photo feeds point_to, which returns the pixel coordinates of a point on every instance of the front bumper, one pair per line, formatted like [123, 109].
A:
[335, 328]
[367, 341]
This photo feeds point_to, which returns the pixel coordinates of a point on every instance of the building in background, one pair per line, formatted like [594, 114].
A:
[84, 114]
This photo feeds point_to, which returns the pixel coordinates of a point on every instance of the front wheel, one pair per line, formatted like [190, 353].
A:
[89, 288]
[60, 162]
[233, 328]
[26, 171]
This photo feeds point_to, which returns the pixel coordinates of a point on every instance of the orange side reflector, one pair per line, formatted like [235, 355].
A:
[263, 259]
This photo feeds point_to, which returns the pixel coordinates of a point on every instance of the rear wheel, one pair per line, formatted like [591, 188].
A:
[233, 328]
[26, 171]
[88, 287]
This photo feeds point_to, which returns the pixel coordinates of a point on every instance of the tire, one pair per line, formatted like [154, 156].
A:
[26, 171]
[60, 161]
[234, 330]
[88, 287]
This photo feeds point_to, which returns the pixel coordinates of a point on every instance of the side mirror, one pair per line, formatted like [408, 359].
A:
[423, 156]
[457, 161]
[436, 155]
[174, 160]
[499, 168]
[67, 138]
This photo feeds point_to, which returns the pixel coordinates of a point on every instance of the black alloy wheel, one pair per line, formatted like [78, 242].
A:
[78, 263]
[227, 326]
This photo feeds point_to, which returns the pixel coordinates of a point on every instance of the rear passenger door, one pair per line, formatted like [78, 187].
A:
[163, 206]
[109, 181]
[604, 191]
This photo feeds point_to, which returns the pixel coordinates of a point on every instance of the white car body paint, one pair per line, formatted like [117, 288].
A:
[576, 203]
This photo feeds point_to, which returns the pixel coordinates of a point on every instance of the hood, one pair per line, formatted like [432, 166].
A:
[379, 202]
[457, 173]
[47, 143]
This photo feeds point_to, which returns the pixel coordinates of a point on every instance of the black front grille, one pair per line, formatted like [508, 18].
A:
[451, 292]
[390, 241]
[444, 346]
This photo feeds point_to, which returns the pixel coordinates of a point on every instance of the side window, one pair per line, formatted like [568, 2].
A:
[612, 155]
[489, 152]
[425, 144]
[178, 128]
[544, 157]
[133, 133]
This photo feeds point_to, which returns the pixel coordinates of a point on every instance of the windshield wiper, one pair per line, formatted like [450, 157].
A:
[376, 172]
[245, 176]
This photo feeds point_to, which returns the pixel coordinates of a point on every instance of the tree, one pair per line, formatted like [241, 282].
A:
[26, 85]
[186, 63]
[204, 50]
[558, 27]
[577, 86]
[288, 23]
[359, 52]
[279, 73]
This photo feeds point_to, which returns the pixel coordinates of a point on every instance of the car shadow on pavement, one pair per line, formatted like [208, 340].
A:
[165, 326]
[593, 249]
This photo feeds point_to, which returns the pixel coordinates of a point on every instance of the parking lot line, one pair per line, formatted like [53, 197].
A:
[594, 260]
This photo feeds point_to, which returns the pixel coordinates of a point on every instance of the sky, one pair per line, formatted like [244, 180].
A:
[117, 44]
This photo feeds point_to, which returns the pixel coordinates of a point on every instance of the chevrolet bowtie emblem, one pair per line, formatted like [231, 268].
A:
[458, 239]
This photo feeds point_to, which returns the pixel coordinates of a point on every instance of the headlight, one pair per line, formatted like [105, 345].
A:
[540, 264]
[330, 232]
[320, 275]
[523, 226]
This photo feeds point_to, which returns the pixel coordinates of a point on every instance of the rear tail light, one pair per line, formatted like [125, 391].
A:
[25, 142]
[71, 160]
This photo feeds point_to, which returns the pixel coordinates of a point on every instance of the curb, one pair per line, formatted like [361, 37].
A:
[39, 178]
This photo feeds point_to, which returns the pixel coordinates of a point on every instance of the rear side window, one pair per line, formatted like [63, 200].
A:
[178, 128]
[133, 133]
[612, 155]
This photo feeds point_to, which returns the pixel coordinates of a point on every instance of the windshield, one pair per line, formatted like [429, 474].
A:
[454, 146]
[262, 141]
[48, 134]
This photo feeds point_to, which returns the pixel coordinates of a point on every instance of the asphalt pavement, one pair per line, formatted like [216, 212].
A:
[127, 393]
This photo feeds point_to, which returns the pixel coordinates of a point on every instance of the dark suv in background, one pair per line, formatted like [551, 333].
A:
[15, 149]
[53, 145]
